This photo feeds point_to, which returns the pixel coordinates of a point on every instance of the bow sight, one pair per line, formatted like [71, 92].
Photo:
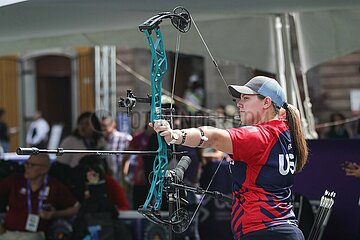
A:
[129, 102]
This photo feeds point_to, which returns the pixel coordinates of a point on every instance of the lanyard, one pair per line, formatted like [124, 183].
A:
[42, 195]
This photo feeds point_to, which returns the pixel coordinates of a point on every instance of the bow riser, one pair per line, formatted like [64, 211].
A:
[157, 70]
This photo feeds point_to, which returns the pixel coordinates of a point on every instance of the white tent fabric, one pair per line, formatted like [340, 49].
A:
[9, 2]
[240, 31]
[327, 35]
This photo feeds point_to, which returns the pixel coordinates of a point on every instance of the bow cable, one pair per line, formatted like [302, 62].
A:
[177, 50]
[209, 52]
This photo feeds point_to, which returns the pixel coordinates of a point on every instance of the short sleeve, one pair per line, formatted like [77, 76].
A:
[135, 142]
[116, 193]
[249, 142]
[6, 184]
[64, 198]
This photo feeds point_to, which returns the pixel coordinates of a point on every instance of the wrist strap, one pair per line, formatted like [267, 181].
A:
[203, 138]
[183, 137]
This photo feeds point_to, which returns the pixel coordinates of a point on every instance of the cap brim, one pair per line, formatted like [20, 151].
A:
[236, 90]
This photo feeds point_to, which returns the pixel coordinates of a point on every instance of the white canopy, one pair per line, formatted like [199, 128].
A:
[327, 34]
[240, 31]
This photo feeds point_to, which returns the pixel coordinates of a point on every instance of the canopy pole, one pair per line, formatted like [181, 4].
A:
[291, 75]
[307, 101]
[293, 87]
[287, 74]
[280, 60]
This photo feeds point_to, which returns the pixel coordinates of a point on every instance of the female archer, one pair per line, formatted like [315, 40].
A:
[266, 153]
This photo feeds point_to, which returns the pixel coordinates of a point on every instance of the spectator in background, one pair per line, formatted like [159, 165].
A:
[134, 168]
[34, 199]
[192, 174]
[340, 130]
[103, 197]
[211, 163]
[37, 134]
[226, 116]
[4, 132]
[98, 181]
[115, 141]
[232, 114]
[86, 136]
[352, 169]
[220, 113]
[194, 94]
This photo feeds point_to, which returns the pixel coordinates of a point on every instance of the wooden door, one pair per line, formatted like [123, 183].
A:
[53, 80]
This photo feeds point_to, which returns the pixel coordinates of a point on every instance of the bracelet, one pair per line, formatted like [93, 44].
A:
[183, 137]
[203, 138]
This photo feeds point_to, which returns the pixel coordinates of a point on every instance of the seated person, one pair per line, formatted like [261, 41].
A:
[102, 198]
[34, 199]
[86, 136]
[97, 180]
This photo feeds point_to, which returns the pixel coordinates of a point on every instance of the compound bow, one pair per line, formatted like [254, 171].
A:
[180, 19]
[179, 220]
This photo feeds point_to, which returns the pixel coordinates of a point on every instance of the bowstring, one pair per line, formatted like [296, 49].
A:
[209, 52]
[177, 50]
[203, 195]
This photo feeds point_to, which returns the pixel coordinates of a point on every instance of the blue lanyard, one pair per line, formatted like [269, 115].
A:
[42, 195]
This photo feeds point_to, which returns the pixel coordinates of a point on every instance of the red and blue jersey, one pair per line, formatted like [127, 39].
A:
[263, 170]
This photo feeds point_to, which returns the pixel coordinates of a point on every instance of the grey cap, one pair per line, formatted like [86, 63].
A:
[265, 86]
